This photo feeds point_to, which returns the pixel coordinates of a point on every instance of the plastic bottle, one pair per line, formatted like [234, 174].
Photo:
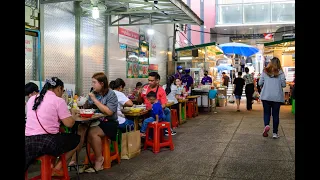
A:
[74, 105]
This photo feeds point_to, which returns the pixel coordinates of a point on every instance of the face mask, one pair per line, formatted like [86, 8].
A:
[205, 74]
[180, 70]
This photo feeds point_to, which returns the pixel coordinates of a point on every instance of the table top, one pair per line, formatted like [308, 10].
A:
[133, 114]
[182, 100]
[192, 97]
[94, 117]
[169, 104]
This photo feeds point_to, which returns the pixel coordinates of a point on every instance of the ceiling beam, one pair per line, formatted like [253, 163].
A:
[181, 5]
[55, 1]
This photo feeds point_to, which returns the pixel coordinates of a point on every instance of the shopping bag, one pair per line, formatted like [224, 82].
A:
[256, 95]
[131, 144]
[231, 99]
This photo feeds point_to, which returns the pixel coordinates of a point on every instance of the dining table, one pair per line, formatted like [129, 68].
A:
[86, 120]
[182, 110]
[195, 99]
[136, 116]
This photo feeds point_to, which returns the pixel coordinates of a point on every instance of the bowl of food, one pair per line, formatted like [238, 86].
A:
[135, 110]
[87, 113]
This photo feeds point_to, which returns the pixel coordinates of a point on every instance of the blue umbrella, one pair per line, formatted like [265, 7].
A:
[238, 48]
[223, 67]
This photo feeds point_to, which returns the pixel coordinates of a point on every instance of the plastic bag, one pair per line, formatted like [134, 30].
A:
[256, 95]
[231, 99]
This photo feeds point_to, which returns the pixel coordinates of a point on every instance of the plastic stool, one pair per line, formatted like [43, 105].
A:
[174, 118]
[106, 153]
[190, 109]
[46, 170]
[158, 140]
[293, 107]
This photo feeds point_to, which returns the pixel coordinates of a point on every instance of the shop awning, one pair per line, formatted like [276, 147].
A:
[275, 43]
[196, 46]
[139, 12]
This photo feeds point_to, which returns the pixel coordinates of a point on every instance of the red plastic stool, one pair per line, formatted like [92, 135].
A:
[190, 109]
[158, 140]
[174, 118]
[46, 170]
[107, 155]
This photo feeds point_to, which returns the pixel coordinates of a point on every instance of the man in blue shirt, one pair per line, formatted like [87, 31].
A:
[156, 112]
[206, 79]
[187, 80]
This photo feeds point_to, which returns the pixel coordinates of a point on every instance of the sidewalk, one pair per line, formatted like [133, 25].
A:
[215, 146]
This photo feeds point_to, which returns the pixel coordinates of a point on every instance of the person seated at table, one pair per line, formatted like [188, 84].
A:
[154, 79]
[30, 89]
[171, 91]
[181, 89]
[45, 112]
[117, 86]
[105, 99]
[135, 91]
[156, 113]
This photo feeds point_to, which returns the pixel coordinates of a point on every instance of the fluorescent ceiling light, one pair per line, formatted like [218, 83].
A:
[95, 13]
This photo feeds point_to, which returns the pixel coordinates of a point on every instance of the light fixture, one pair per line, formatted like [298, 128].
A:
[239, 39]
[277, 26]
[150, 31]
[225, 29]
[204, 27]
[95, 13]
[250, 28]
[185, 41]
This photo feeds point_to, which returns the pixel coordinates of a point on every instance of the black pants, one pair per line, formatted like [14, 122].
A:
[50, 144]
[249, 90]
[242, 68]
[271, 108]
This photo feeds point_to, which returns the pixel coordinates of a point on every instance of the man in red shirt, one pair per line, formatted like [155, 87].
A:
[154, 79]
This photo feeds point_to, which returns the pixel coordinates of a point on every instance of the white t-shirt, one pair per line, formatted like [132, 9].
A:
[122, 99]
[172, 95]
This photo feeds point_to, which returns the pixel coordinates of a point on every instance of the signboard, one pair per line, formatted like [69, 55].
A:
[153, 67]
[129, 36]
[28, 47]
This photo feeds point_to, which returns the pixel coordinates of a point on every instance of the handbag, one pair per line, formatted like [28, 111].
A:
[130, 143]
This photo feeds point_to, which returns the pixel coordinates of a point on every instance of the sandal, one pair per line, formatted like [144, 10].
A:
[56, 172]
[91, 170]
[72, 163]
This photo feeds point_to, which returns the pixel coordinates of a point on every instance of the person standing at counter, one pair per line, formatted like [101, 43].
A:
[206, 79]
[179, 73]
[187, 80]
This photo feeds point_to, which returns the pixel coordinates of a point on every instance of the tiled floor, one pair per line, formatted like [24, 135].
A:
[216, 146]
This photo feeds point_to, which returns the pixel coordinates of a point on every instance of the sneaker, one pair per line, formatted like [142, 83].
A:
[275, 136]
[172, 132]
[265, 131]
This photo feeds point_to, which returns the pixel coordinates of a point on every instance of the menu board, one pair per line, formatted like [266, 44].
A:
[138, 61]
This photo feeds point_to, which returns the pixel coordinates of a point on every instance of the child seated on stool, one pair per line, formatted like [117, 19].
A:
[156, 113]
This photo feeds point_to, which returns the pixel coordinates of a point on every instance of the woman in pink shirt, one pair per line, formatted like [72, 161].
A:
[45, 112]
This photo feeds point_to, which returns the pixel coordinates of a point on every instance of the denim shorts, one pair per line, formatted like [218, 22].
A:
[237, 96]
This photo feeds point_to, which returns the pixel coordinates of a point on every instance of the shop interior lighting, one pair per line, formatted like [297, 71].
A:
[95, 13]
[150, 31]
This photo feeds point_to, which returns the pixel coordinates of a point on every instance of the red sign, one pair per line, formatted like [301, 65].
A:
[153, 67]
[268, 36]
[128, 33]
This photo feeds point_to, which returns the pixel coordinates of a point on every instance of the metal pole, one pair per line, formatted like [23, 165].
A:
[78, 74]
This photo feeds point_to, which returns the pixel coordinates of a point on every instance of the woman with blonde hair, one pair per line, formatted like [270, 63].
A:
[272, 81]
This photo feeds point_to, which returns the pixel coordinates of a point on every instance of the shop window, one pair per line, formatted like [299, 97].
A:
[283, 12]
[256, 13]
[229, 14]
